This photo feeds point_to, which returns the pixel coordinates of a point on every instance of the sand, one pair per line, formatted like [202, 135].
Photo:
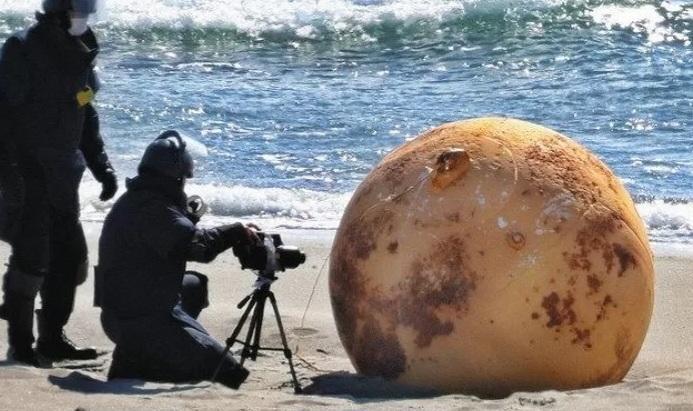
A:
[661, 378]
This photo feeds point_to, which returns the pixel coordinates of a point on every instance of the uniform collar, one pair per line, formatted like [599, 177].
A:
[75, 54]
[168, 187]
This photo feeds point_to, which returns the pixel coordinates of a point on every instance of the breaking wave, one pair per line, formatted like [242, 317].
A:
[299, 208]
[668, 220]
[287, 21]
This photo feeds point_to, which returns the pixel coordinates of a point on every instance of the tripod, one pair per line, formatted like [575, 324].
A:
[255, 302]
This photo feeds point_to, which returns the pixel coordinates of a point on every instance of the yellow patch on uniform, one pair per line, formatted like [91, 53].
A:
[85, 96]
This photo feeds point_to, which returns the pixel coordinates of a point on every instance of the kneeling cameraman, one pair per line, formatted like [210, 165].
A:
[149, 303]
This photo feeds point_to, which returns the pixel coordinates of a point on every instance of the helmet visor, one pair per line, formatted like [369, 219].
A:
[85, 7]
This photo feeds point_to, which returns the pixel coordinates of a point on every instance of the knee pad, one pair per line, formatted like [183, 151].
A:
[194, 292]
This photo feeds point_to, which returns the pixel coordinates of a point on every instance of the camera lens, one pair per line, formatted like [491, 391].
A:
[290, 257]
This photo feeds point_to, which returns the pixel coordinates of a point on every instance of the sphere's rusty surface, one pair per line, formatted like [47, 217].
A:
[490, 256]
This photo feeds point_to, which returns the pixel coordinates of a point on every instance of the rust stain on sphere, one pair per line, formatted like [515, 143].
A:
[489, 256]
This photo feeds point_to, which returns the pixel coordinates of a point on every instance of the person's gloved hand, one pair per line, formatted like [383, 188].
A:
[242, 235]
[246, 244]
[109, 185]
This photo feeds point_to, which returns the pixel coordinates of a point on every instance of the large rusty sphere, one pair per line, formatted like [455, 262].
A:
[491, 256]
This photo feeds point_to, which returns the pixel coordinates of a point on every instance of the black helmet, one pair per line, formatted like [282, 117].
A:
[167, 156]
[84, 7]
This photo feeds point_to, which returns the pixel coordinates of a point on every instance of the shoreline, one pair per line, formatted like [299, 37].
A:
[669, 223]
[661, 377]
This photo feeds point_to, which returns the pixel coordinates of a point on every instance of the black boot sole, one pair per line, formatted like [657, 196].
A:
[82, 355]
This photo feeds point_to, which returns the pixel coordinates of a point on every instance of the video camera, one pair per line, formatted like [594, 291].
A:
[270, 256]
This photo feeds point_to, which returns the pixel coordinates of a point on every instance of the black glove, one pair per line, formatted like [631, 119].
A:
[253, 257]
[109, 185]
[245, 242]
[238, 235]
[247, 245]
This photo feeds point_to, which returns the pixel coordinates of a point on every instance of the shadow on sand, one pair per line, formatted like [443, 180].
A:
[80, 382]
[363, 389]
[337, 384]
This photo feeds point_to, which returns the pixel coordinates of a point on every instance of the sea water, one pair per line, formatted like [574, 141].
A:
[296, 101]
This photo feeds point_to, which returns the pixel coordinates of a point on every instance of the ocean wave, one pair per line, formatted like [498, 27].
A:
[372, 20]
[668, 220]
[288, 207]
[667, 21]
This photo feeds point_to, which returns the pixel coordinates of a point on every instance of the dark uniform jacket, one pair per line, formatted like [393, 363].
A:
[147, 239]
[47, 81]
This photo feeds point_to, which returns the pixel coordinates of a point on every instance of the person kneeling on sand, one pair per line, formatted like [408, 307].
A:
[149, 303]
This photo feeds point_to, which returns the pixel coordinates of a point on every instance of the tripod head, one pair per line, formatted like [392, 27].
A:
[262, 285]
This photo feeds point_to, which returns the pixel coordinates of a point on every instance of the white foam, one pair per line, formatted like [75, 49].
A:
[303, 19]
[668, 222]
[253, 15]
[312, 20]
[648, 19]
[282, 207]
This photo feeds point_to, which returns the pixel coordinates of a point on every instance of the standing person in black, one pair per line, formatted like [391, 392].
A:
[49, 135]
[149, 302]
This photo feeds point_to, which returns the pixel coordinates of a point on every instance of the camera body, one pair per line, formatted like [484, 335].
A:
[270, 256]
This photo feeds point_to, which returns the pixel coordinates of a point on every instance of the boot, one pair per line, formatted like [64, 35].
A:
[54, 344]
[61, 348]
[19, 313]
[233, 378]
[27, 356]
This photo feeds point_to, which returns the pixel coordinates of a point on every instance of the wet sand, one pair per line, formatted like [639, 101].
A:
[661, 378]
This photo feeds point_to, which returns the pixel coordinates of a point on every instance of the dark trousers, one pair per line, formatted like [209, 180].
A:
[49, 252]
[171, 346]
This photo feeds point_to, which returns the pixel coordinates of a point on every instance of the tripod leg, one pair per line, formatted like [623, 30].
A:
[247, 348]
[260, 310]
[287, 352]
[232, 338]
[241, 322]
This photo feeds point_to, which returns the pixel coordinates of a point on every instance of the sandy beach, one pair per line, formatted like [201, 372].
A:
[661, 378]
